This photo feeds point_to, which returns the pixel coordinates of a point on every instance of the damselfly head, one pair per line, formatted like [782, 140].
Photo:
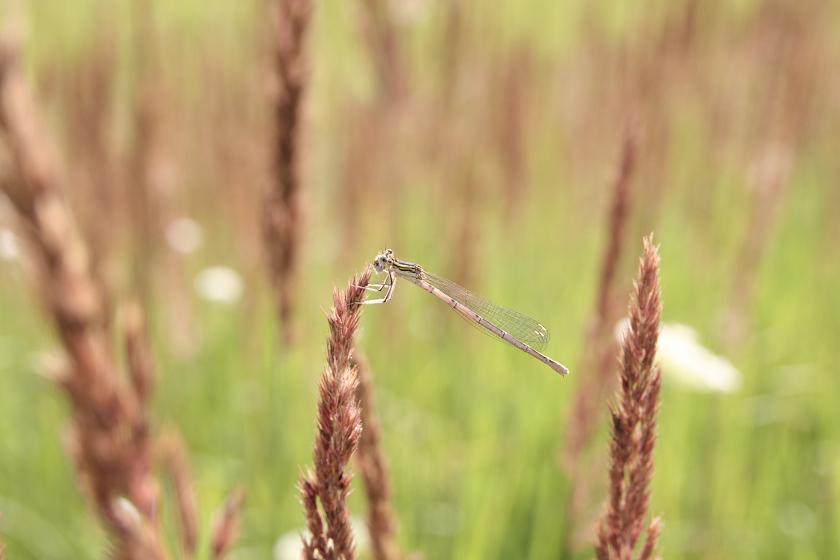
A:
[381, 261]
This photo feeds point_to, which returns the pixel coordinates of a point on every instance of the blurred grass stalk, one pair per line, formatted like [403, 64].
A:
[371, 172]
[89, 103]
[149, 177]
[599, 347]
[226, 527]
[385, 49]
[111, 441]
[634, 424]
[174, 458]
[381, 520]
[788, 112]
[282, 217]
[598, 343]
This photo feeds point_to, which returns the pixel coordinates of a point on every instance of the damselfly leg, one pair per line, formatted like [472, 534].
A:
[389, 286]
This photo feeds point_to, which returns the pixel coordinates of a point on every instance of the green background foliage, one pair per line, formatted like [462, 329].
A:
[473, 430]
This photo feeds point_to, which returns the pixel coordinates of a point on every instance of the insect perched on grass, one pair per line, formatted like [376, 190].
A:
[514, 328]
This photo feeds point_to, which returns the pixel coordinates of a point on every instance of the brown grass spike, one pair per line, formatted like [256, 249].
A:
[141, 365]
[383, 37]
[149, 180]
[226, 527]
[634, 423]
[381, 521]
[515, 87]
[174, 458]
[89, 104]
[282, 219]
[110, 439]
[316, 547]
[339, 430]
[598, 348]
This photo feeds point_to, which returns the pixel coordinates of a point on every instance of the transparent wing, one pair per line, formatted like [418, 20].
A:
[520, 326]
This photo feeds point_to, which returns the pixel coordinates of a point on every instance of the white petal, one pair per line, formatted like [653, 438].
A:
[220, 284]
[9, 250]
[184, 235]
[684, 360]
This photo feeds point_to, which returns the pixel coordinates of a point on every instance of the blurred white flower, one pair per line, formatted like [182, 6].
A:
[126, 511]
[409, 12]
[797, 520]
[289, 546]
[220, 284]
[683, 359]
[184, 235]
[9, 250]
[50, 363]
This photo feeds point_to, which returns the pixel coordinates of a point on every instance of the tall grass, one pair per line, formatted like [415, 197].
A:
[339, 431]
[634, 423]
[373, 464]
[718, 95]
[283, 213]
[111, 443]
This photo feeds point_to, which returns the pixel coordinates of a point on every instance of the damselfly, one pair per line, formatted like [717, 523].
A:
[514, 328]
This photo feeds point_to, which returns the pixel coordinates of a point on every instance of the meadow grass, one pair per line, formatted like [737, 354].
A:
[474, 431]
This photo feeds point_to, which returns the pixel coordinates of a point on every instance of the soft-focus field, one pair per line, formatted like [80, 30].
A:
[493, 167]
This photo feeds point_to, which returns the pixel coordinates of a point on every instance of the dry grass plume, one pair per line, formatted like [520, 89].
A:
[110, 440]
[339, 431]
[282, 218]
[226, 527]
[381, 519]
[598, 347]
[174, 458]
[634, 424]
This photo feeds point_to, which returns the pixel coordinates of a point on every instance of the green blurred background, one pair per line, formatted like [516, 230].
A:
[486, 151]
